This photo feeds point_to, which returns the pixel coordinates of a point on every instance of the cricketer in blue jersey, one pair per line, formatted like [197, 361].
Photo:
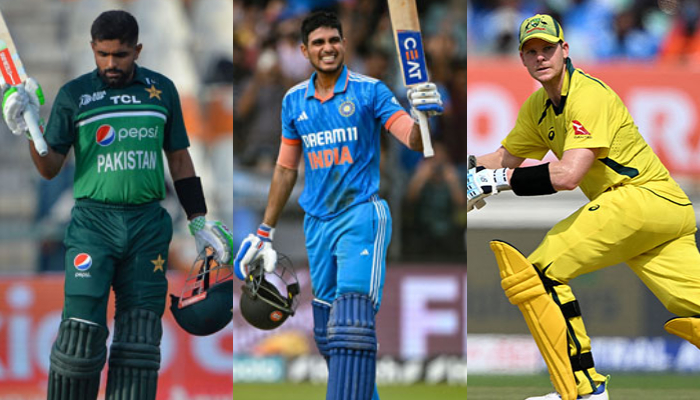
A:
[333, 121]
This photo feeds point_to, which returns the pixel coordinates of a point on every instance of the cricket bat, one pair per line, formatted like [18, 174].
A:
[409, 49]
[13, 73]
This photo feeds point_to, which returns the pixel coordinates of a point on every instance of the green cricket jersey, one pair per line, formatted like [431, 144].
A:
[118, 135]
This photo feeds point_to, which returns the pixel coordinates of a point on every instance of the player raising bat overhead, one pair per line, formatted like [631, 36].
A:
[119, 119]
[333, 121]
[637, 213]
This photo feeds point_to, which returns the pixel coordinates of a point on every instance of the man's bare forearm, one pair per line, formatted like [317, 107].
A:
[48, 166]
[281, 187]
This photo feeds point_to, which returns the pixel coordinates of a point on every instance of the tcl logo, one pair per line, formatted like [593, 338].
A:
[125, 99]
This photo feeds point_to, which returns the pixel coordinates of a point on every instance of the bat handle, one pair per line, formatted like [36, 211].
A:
[32, 121]
[425, 135]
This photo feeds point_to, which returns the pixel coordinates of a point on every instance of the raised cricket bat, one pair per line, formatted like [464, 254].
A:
[409, 49]
[13, 73]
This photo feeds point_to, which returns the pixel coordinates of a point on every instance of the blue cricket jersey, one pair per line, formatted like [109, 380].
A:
[340, 139]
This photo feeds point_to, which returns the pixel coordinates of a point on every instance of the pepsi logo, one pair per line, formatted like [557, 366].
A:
[82, 262]
[105, 135]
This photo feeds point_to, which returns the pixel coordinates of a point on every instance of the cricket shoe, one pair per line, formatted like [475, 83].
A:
[601, 393]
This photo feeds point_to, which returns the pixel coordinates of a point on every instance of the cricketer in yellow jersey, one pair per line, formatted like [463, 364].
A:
[637, 213]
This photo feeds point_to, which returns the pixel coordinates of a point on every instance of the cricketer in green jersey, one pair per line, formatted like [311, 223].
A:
[119, 120]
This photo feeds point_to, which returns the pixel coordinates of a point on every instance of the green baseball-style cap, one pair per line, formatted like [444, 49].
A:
[540, 26]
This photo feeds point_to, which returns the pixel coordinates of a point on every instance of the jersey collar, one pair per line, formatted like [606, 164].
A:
[565, 88]
[139, 76]
[340, 85]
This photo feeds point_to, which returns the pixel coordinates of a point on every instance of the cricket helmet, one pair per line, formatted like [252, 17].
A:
[206, 303]
[262, 304]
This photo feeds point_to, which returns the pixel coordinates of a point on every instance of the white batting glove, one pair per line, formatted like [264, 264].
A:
[25, 97]
[482, 183]
[254, 248]
[425, 97]
[214, 234]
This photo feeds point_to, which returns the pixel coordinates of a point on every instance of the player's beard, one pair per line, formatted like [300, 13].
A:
[118, 81]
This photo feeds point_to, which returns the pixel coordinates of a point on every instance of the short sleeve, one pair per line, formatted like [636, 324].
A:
[60, 132]
[175, 131]
[588, 121]
[524, 139]
[289, 130]
[385, 103]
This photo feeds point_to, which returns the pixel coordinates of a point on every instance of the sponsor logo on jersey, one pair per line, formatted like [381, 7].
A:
[337, 154]
[579, 130]
[347, 108]
[303, 117]
[82, 262]
[86, 99]
[105, 135]
[125, 99]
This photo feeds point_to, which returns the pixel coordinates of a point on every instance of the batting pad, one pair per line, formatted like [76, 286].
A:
[321, 313]
[134, 357]
[688, 328]
[524, 288]
[77, 358]
[352, 343]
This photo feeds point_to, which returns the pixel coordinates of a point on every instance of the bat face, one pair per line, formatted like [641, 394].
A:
[8, 66]
[413, 65]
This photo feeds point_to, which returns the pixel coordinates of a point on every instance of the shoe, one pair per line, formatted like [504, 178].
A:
[601, 393]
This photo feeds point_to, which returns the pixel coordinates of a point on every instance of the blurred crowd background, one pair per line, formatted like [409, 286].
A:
[426, 196]
[597, 30]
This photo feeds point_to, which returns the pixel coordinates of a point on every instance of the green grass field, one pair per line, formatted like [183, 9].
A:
[318, 392]
[622, 387]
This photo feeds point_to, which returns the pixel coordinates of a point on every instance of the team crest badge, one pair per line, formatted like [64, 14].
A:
[347, 108]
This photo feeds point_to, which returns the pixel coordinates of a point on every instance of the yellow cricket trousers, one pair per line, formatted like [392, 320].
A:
[642, 226]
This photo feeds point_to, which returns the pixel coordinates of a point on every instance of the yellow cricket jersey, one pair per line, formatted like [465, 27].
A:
[591, 115]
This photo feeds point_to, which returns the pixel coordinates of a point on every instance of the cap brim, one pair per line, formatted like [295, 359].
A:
[544, 36]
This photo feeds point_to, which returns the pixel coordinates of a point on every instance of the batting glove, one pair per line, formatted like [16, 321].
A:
[25, 97]
[214, 234]
[425, 98]
[482, 183]
[254, 248]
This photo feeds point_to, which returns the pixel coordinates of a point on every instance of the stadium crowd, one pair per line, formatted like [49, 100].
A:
[631, 30]
[426, 194]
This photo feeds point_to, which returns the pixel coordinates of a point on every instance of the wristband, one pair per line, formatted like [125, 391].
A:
[266, 233]
[532, 181]
[189, 192]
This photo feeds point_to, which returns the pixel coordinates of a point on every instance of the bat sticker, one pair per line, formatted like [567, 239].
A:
[412, 57]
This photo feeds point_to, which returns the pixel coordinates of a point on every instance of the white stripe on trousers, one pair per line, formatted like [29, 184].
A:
[378, 250]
